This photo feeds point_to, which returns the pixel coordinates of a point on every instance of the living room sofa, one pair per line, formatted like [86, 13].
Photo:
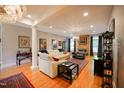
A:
[48, 63]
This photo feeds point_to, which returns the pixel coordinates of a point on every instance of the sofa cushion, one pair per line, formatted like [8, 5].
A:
[54, 52]
[44, 56]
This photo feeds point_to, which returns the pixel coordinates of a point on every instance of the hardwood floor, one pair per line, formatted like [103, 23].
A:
[86, 78]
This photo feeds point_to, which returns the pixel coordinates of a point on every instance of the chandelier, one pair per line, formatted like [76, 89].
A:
[11, 13]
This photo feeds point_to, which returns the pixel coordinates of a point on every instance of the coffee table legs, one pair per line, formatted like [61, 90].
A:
[70, 77]
[69, 72]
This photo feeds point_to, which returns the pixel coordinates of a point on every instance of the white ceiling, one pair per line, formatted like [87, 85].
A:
[68, 19]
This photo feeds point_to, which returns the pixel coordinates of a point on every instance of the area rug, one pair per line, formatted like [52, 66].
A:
[81, 63]
[16, 81]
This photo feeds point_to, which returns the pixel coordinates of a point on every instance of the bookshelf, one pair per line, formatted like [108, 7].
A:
[107, 59]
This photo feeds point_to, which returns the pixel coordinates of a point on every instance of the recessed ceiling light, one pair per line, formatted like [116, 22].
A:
[85, 14]
[50, 26]
[29, 16]
[91, 26]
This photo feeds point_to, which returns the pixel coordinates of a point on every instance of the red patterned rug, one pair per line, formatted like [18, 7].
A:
[81, 63]
[16, 81]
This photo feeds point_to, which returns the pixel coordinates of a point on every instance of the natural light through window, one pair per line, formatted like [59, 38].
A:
[72, 45]
[95, 44]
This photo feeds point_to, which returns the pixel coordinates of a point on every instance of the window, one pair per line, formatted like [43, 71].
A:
[72, 45]
[95, 44]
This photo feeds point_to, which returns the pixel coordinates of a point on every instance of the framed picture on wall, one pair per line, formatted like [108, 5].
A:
[83, 40]
[42, 43]
[23, 42]
[54, 44]
[59, 43]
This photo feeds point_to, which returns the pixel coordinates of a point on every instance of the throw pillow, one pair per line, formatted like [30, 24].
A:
[65, 52]
[44, 56]
[55, 59]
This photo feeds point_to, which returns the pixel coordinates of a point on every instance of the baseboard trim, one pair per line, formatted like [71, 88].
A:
[114, 85]
[34, 67]
[8, 65]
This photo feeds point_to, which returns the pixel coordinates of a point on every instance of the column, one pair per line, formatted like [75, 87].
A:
[34, 48]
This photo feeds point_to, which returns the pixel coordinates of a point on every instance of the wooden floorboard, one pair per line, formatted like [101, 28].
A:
[86, 78]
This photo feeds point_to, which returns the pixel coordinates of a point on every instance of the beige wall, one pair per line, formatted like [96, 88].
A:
[49, 37]
[118, 66]
[10, 41]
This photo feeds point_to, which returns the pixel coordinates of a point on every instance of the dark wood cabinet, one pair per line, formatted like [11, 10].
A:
[107, 59]
[98, 67]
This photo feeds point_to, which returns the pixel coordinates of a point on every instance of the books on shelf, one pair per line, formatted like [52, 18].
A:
[108, 59]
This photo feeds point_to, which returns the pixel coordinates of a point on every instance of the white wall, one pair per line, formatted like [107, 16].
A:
[49, 37]
[10, 41]
[118, 66]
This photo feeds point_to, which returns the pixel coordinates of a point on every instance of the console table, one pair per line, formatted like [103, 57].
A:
[68, 70]
[22, 56]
